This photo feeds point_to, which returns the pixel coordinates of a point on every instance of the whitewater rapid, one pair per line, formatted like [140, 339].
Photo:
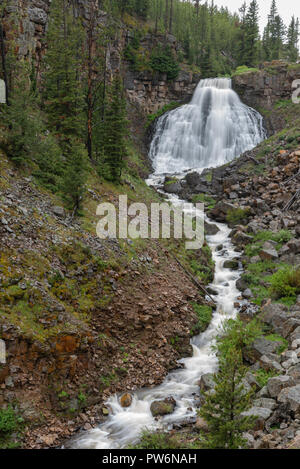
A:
[124, 425]
[213, 129]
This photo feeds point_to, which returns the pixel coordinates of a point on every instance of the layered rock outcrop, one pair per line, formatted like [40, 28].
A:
[264, 88]
[146, 90]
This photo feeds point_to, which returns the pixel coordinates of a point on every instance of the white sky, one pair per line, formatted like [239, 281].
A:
[286, 8]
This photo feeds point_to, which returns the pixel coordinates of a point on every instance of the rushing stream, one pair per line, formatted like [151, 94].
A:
[213, 129]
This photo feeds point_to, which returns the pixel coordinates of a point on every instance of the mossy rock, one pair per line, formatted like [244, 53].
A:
[164, 407]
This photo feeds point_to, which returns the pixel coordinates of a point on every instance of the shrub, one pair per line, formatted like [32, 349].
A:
[158, 441]
[237, 215]
[285, 282]
[9, 423]
[204, 315]
[282, 236]
[263, 376]
[278, 338]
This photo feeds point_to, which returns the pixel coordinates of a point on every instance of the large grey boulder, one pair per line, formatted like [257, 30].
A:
[289, 326]
[294, 372]
[241, 239]
[291, 396]
[269, 364]
[206, 382]
[261, 414]
[295, 335]
[172, 186]
[220, 210]
[260, 347]
[268, 254]
[58, 211]
[163, 407]
[276, 384]
[275, 315]
[210, 228]
[265, 403]
[193, 179]
[294, 245]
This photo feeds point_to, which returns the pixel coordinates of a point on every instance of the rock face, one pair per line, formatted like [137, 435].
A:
[151, 93]
[262, 89]
[145, 90]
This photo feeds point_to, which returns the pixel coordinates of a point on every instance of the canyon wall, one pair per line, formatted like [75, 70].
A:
[146, 90]
[264, 89]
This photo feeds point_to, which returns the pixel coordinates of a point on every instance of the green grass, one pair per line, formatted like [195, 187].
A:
[263, 376]
[237, 215]
[285, 283]
[244, 69]
[10, 424]
[283, 236]
[278, 338]
[166, 108]
[204, 315]
[203, 268]
[209, 202]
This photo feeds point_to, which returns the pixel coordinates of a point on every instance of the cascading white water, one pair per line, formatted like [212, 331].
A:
[213, 129]
[124, 425]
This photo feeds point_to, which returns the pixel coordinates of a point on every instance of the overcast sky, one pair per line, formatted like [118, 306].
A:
[286, 8]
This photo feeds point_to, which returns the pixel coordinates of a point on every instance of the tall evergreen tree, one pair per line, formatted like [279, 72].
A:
[292, 50]
[63, 90]
[223, 409]
[274, 33]
[64, 96]
[114, 149]
[250, 55]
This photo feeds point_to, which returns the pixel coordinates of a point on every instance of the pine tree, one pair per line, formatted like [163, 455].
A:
[64, 97]
[250, 55]
[142, 8]
[292, 50]
[114, 134]
[223, 408]
[73, 179]
[63, 90]
[274, 33]
[23, 128]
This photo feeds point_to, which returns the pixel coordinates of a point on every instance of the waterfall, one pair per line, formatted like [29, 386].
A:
[212, 130]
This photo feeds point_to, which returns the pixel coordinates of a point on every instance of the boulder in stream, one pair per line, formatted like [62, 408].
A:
[126, 400]
[210, 228]
[232, 264]
[163, 407]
